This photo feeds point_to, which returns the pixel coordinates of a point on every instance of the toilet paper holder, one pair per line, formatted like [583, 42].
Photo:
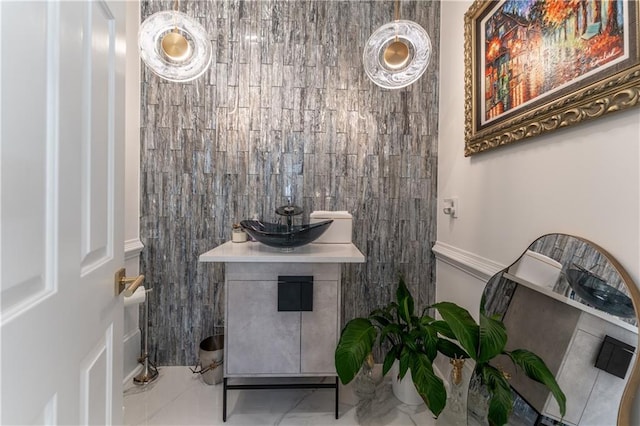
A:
[121, 281]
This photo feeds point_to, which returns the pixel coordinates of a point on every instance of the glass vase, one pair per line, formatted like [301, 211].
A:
[456, 383]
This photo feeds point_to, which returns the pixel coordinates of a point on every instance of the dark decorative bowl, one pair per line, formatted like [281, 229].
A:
[280, 236]
[596, 292]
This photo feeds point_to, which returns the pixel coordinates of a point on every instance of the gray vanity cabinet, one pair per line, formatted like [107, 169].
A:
[276, 325]
[262, 341]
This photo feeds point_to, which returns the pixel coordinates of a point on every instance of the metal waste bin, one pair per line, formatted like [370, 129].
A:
[210, 359]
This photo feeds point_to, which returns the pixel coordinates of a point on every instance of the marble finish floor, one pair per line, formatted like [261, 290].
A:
[179, 397]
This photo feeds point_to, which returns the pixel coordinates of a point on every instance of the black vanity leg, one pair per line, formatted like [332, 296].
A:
[224, 400]
[337, 399]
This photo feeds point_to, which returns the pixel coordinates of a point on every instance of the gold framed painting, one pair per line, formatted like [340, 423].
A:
[534, 66]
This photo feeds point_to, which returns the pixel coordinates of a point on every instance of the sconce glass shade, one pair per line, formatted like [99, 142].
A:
[174, 46]
[397, 54]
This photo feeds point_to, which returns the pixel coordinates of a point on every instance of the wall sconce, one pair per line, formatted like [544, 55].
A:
[397, 53]
[174, 46]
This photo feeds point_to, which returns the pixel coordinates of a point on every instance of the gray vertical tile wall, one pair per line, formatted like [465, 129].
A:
[285, 111]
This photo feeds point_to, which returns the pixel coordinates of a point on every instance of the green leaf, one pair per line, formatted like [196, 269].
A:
[410, 344]
[414, 334]
[426, 319]
[535, 368]
[393, 332]
[406, 356]
[429, 386]
[382, 313]
[356, 341]
[501, 401]
[430, 339]
[415, 321]
[380, 319]
[389, 359]
[425, 312]
[450, 349]
[405, 302]
[462, 325]
[443, 328]
[493, 338]
[386, 312]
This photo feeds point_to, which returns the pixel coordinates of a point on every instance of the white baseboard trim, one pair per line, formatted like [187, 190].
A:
[132, 374]
[470, 263]
[132, 248]
[131, 335]
[131, 348]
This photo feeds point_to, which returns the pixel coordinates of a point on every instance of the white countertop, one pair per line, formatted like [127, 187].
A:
[254, 252]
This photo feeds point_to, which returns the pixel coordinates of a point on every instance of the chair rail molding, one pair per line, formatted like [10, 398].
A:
[470, 263]
[132, 248]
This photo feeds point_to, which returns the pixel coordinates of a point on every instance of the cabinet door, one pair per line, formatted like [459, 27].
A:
[319, 330]
[260, 340]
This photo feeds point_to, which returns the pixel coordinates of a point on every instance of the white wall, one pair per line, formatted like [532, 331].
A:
[583, 181]
[132, 133]
[132, 242]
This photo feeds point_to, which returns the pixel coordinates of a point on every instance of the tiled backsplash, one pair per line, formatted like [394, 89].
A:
[285, 111]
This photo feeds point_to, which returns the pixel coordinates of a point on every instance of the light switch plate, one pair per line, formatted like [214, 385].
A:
[451, 207]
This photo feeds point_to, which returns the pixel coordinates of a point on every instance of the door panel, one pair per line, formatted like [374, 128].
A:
[96, 383]
[61, 224]
[47, 416]
[30, 161]
[98, 142]
[319, 330]
[259, 339]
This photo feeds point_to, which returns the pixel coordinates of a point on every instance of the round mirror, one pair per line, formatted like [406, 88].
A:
[571, 303]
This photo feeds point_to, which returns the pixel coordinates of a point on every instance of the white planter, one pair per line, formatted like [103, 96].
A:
[404, 389]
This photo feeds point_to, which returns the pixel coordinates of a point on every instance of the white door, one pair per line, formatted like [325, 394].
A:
[61, 221]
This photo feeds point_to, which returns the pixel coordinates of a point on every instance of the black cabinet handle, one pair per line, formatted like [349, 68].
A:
[295, 293]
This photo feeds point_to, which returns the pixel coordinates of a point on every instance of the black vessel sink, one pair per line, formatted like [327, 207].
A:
[283, 236]
[596, 292]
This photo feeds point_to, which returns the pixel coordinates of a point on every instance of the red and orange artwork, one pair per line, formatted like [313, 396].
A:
[535, 47]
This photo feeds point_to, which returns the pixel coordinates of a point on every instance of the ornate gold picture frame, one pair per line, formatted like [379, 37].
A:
[532, 67]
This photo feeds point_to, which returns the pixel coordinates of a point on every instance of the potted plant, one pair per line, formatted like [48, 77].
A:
[414, 342]
[482, 343]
